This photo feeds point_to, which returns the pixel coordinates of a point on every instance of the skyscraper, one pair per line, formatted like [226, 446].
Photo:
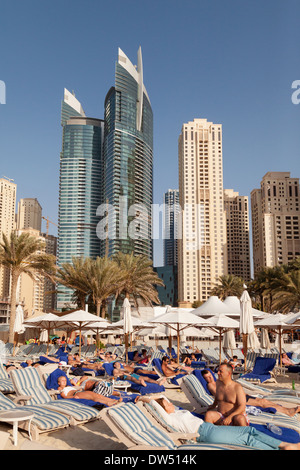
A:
[79, 186]
[275, 220]
[238, 244]
[128, 162]
[171, 213]
[29, 214]
[202, 243]
[8, 191]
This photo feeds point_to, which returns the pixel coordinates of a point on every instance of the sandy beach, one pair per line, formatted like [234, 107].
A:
[96, 435]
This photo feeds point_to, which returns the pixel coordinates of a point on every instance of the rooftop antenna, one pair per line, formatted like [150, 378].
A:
[9, 179]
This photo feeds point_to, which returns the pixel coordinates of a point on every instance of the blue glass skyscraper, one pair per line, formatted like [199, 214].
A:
[128, 161]
[79, 187]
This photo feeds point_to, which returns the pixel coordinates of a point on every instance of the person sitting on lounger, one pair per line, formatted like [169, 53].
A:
[120, 372]
[229, 407]
[234, 362]
[185, 422]
[250, 400]
[76, 392]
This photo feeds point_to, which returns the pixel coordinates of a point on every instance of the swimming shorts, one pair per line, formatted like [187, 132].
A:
[244, 414]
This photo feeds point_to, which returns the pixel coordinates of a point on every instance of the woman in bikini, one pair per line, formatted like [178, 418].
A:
[75, 392]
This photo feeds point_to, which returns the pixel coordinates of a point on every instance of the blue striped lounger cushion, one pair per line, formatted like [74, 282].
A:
[131, 420]
[44, 419]
[28, 382]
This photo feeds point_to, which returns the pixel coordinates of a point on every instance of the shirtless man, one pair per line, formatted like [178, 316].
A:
[252, 401]
[168, 370]
[229, 407]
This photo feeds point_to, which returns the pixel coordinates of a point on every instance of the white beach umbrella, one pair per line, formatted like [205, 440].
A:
[264, 339]
[47, 321]
[246, 320]
[178, 320]
[80, 319]
[18, 325]
[229, 340]
[44, 336]
[128, 328]
[275, 323]
[221, 324]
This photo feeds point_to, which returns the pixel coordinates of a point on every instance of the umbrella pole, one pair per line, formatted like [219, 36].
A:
[178, 343]
[220, 345]
[245, 347]
[280, 348]
[48, 340]
[80, 341]
[126, 347]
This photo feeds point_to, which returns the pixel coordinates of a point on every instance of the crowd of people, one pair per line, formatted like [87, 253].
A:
[225, 421]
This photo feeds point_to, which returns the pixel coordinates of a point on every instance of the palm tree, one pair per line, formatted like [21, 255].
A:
[104, 279]
[139, 279]
[23, 254]
[264, 283]
[74, 275]
[228, 285]
[286, 293]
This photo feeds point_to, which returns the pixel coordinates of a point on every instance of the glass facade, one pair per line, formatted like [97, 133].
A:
[79, 191]
[128, 162]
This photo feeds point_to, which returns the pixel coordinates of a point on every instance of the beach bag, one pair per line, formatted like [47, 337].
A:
[104, 388]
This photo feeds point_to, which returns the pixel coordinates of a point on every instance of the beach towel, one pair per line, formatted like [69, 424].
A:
[202, 380]
[287, 435]
[51, 382]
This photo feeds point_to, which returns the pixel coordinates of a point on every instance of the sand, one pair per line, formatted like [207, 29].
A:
[96, 435]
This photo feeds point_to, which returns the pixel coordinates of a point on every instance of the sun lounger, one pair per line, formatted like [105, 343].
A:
[44, 420]
[278, 395]
[262, 370]
[140, 432]
[6, 385]
[30, 389]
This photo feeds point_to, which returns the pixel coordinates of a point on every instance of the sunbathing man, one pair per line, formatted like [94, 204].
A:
[168, 369]
[250, 400]
[75, 392]
[229, 407]
[185, 366]
[120, 372]
[185, 422]
[137, 370]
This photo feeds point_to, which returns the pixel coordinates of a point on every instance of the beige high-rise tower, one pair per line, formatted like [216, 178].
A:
[275, 220]
[202, 247]
[29, 214]
[238, 244]
[8, 191]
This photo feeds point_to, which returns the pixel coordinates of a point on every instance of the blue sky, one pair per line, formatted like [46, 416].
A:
[232, 62]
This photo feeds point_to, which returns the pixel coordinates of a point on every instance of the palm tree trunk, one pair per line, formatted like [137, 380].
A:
[103, 309]
[98, 307]
[13, 301]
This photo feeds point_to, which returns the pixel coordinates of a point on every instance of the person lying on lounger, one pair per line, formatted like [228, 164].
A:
[185, 422]
[120, 372]
[184, 367]
[168, 369]
[250, 400]
[75, 392]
